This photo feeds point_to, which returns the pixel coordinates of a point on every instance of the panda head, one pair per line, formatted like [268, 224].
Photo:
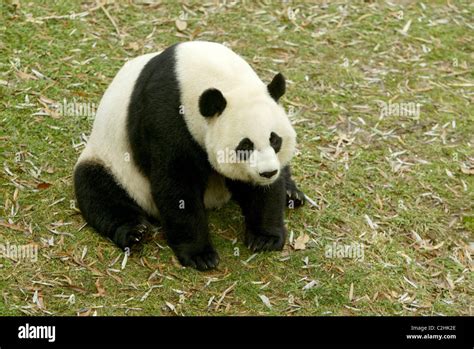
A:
[249, 136]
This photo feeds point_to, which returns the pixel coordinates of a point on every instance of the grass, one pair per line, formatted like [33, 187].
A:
[402, 186]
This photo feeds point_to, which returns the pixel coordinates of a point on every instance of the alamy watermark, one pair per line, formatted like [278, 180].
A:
[352, 251]
[19, 252]
[410, 109]
[75, 108]
[231, 156]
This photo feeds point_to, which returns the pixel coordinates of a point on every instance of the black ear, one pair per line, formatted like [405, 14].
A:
[212, 102]
[277, 87]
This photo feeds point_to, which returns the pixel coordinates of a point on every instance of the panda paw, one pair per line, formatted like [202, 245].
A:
[130, 235]
[201, 259]
[294, 198]
[265, 242]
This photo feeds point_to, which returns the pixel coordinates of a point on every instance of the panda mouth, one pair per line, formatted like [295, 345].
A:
[262, 181]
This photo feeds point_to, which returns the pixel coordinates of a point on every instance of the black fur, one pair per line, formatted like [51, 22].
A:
[263, 208]
[277, 87]
[107, 207]
[178, 170]
[244, 148]
[212, 103]
[275, 142]
[175, 164]
[294, 197]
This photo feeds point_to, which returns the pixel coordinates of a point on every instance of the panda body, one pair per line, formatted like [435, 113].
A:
[154, 146]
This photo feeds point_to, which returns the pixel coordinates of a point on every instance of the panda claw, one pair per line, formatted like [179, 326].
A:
[264, 242]
[129, 235]
[295, 197]
[202, 259]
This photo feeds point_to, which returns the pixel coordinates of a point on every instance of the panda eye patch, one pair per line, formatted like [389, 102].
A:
[275, 142]
[244, 149]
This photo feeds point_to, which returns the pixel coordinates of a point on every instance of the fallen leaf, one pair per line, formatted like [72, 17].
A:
[171, 307]
[181, 25]
[38, 74]
[135, 46]
[46, 100]
[467, 170]
[125, 258]
[100, 289]
[84, 312]
[265, 300]
[310, 285]
[371, 224]
[449, 173]
[301, 241]
[11, 226]
[43, 185]
[25, 76]
[405, 29]
[432, 248]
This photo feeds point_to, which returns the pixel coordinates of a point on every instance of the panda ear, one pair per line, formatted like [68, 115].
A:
[212, 103]
[277, 87]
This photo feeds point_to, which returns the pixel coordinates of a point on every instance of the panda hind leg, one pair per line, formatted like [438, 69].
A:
[107, 207]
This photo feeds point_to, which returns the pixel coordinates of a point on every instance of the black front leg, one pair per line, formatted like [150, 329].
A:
[263, 208]
[294, 197]
[179, 200]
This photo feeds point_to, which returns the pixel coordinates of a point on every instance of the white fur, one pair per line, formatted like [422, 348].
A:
[216, 194]
[203, 65]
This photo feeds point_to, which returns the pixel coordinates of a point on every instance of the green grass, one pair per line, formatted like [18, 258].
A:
[347, 160]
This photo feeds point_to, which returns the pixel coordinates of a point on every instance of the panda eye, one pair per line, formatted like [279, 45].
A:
[244, 149]
[275, 142]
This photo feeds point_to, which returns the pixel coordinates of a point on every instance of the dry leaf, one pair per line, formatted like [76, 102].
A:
[135, 46]
[371, 223]
[405, 29]
[265, 300]
[467, 170]
[100, 289]
[301, 241]
[432, 248]
[43, 185]
[46, 100]
[181, 25]
[171, 306]
[25, 76]
[125, 259]
[85, 312]
[310, 285]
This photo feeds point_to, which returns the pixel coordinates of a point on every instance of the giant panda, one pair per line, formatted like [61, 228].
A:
[160, 145]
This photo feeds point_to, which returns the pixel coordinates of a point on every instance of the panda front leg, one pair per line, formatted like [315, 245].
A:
[263, 208]
[184, 220]
[294, 196]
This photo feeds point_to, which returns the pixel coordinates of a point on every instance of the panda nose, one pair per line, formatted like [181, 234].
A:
[268, 174]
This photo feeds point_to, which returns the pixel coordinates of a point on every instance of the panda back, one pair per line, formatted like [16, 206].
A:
[108, 143]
